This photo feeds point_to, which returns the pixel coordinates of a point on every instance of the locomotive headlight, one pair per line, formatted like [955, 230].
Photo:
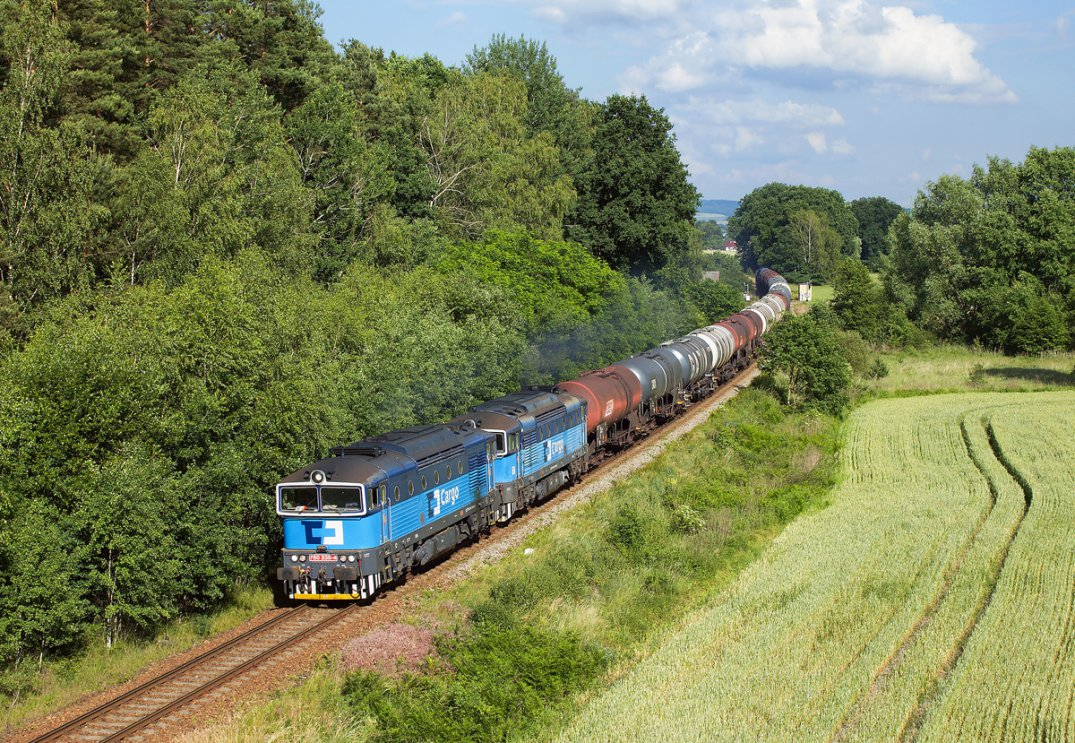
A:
[350, 558]
[302, 558]
[318, 476]
[294, 558]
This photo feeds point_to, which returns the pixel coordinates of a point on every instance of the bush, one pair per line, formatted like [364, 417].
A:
[878, 370]
[807, 351]
[503, 676]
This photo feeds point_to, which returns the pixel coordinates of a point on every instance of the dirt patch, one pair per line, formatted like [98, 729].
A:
[391, 650]
[808, 460]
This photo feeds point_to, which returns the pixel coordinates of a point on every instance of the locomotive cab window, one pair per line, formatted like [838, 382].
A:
[342, 499]
[501, 443]
[513, 443]
[298, 499]
[377, 497]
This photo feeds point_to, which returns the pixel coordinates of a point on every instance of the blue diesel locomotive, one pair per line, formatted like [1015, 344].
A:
[376, 509]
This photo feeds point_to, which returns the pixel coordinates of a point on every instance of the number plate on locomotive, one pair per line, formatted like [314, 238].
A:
[322, 558]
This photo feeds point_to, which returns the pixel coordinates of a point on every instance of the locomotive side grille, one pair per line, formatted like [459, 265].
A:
[357, 451]
[479, 477]
[549, 415]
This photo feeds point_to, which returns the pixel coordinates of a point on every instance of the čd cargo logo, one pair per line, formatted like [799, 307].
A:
[327, 533]
[442, 498]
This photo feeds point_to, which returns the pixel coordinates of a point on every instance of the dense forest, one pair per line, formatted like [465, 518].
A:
[226, 245]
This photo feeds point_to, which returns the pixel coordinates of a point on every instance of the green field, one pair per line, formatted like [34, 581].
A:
[819, 293]
[957, 369]
[931, 600]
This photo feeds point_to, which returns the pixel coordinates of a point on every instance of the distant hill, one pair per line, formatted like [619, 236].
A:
[719, 206]
[716, 209]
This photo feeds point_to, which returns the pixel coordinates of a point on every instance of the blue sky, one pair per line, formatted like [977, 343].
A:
[867, 98]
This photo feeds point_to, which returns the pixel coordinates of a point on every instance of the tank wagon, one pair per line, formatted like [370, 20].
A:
[374, 510]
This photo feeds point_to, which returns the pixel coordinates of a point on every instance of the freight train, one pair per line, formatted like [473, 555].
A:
[374, 510]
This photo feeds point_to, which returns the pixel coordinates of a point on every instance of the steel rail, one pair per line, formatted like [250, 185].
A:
[103, 709]
[229, 675]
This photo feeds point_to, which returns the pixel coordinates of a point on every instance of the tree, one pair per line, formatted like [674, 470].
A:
[128, 517]
[1037, 321]
[712, 235]
[395, 98]
[279, 40]
[548, 98]
[230, 179]
[857, 300]
[348, 176]
[50, 222]
[807, 350]
[762, 227]
[42, 610]
[486, 171]
[714, 300]
[635, 207]
[991, 259]
[818, 244]
[875, 215]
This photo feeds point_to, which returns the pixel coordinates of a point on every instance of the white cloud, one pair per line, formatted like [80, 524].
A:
[458, 18]
[551, 13]
[677, 78]
[587, 11]
[792, 113]
[817, 142]
[841, 147]
[927, 56]
[745, 138]
[1063, 23]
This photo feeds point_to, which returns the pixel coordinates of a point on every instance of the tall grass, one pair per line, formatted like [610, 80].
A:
[959, 369]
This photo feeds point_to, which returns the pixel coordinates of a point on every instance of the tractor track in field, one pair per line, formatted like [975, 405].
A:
[200, 696]
[914, 725]
[909, 732]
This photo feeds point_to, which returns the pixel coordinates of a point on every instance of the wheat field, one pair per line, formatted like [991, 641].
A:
[933, 599]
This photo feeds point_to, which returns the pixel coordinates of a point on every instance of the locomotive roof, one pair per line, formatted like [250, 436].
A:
[510, 412]
[390, 453]
[352, 469]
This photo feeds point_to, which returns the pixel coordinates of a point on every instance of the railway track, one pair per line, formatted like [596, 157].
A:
[137, 713]
[145, 711]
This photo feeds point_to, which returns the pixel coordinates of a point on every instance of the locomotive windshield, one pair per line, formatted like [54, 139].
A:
[341, 499]
[298, 499]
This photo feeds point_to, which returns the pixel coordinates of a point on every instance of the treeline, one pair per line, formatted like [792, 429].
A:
[987, 260]
[225, 246]
[991, 259]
